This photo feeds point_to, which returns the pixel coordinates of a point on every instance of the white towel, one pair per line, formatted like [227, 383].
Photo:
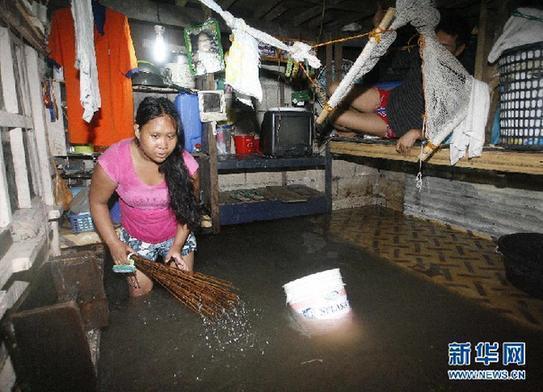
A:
[85, 59]
[518, 31]
[470, 134]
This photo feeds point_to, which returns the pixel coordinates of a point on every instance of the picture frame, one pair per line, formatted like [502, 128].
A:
[204, 48]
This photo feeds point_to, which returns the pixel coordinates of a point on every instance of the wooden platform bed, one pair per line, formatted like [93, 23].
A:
[493, 158]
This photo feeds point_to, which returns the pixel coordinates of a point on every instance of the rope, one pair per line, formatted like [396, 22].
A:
[298, 50]
[375, 34]
[318, 88]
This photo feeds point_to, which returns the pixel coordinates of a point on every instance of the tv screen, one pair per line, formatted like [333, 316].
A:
[287, 132]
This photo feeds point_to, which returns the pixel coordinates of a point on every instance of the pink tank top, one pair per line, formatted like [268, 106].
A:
[145, 211]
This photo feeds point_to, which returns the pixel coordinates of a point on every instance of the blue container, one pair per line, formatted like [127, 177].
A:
[187, 107]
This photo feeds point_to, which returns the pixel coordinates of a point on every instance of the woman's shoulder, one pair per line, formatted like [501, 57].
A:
[190, 162]
[114, 157]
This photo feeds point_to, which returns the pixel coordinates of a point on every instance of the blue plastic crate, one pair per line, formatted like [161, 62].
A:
[81, 222]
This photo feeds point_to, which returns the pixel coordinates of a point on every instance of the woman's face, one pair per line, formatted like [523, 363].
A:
[204, 43]
[157, 138]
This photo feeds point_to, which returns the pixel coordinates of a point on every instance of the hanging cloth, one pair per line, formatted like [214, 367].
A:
[85, 60]
[115, 59]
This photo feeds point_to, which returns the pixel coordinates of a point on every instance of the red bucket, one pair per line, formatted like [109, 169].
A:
[245, 144]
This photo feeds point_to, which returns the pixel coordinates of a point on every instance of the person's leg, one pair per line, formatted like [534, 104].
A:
[357, 113]
[187, 252]
[369, 123]
[360, 98]
[138, 283]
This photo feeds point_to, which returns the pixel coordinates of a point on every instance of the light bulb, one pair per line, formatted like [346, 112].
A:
[160, 50]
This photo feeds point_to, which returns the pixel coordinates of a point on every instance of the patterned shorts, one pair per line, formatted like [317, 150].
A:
[152, 251]
[384, 96]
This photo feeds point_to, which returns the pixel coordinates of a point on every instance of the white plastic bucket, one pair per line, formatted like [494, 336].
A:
[319, 296]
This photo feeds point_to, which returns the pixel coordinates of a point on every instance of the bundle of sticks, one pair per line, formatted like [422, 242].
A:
[203, 294]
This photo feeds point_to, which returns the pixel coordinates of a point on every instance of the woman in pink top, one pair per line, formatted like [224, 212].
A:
[153, 176]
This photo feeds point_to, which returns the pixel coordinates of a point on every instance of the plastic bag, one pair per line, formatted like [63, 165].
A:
[62, 193]
[242, 65]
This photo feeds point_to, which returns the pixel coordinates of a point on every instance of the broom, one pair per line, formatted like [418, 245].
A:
[201, 293]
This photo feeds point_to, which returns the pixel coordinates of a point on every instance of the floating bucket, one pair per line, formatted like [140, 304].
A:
[319, 296]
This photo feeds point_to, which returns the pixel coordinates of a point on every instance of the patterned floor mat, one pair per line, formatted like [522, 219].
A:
[461, 261]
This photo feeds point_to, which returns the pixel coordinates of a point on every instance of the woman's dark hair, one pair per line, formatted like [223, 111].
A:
[180, 189]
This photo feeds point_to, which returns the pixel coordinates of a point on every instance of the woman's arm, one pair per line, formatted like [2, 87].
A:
[101, 189]
[405, 142]
[182, 262]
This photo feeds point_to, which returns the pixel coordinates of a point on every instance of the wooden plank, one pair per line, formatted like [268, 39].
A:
[308, 14]
[38, 118]
[53, 349]
[495, 160]
[264, 8]
[21, 170]
[14, 120]
[480, 54]
[276, 12]
[338, 59]
[328, 61]
[225, 4]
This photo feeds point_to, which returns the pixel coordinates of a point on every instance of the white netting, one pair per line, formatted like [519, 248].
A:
[299, 50]
[447, 85]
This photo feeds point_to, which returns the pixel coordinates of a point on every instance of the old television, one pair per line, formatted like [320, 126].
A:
[287, 132]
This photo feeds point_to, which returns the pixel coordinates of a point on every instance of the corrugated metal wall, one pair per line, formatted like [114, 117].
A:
[479, 207]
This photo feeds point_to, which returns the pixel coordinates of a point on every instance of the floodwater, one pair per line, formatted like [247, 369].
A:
[395, 338]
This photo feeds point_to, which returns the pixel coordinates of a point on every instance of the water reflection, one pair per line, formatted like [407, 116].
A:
[345, 330]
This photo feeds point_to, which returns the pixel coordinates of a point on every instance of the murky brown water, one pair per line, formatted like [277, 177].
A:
[394, 340]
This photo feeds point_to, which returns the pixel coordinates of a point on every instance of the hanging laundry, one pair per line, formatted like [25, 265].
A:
[242, 65]
[85, 61]
[115, 59]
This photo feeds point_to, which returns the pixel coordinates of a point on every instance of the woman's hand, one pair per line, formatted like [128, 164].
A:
[175, 259]
[405, 142]
[119, 252]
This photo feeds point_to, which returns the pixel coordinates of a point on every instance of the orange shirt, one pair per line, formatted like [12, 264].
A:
[115, 56]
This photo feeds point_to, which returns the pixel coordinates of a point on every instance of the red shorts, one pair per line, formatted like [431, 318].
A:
[382, 111]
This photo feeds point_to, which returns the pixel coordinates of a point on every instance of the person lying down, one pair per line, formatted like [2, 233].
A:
[396, 113]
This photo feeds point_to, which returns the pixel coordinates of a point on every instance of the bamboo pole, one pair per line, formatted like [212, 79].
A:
[383, 26]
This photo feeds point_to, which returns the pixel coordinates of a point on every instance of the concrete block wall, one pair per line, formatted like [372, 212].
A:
[251, 180]
[355, 185]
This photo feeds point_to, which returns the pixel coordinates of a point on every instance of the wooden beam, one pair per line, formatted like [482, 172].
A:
[306, 15]
[38, 118]
[225, 4]
[276, 12]
[491, 159]
[266, 7]
[13, 120]
[480, 55]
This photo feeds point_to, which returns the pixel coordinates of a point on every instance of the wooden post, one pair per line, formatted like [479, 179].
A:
[338, 59]
[11, 103]
[329, 57]
[481, 55]
[38, 118]
[385, 23]
[213, 178]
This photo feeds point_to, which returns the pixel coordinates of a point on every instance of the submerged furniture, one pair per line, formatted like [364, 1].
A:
[273, 202]
[52, 331]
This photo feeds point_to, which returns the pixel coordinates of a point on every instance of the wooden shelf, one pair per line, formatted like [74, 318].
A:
[254, 161]
[272, 202]
[492, 159]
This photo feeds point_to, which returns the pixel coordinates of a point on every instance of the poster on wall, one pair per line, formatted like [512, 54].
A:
[203, 43]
